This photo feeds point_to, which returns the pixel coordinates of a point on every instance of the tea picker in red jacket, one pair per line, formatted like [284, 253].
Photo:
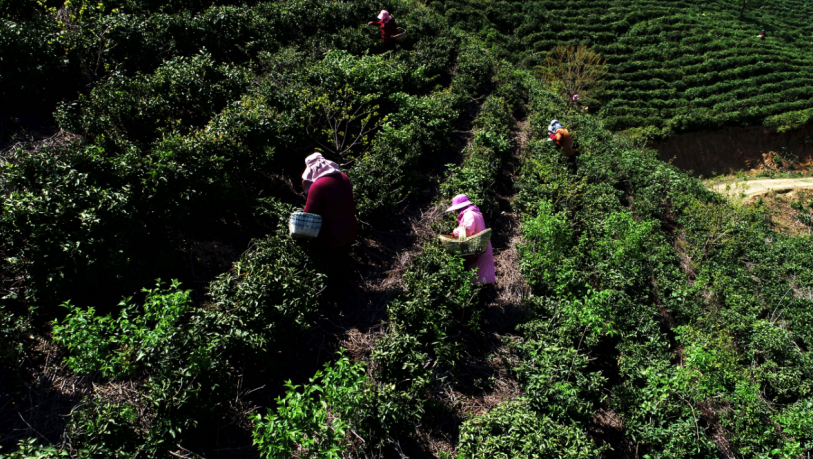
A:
[388, 28]
[330, 195]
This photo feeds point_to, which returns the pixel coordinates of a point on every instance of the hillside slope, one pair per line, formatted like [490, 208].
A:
[636, 313]
[675, 66]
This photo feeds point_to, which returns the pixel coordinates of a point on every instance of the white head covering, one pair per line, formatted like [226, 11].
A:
[316, 166]
[554, 125]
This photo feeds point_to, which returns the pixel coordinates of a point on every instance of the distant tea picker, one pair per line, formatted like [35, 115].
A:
[390, 32]
[561, 136]
[471, 240]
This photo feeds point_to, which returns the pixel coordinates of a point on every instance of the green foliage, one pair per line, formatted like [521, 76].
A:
[554, 374]
[30, 448]
[13, 330]
[474, 68]
[673, 67]
[514, 430]
[183, 353]
[797, 422]
[545, 253]
[35, 70]
[183, 93]
[80, 216]
[107, 428]
[268, 294]
[115, 346]
[687, 317]
[786, 122]
[390, 171]
[439, 297]
[59, 211]
[622, 249]
[314, 420]
[490, 147]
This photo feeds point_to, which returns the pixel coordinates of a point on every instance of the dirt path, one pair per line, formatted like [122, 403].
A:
[466, 393]
[762, 186]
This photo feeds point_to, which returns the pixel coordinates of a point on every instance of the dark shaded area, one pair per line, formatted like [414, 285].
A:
[734, 149]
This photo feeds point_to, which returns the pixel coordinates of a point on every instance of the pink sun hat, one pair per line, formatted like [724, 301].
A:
[384, 15]
[458, 202]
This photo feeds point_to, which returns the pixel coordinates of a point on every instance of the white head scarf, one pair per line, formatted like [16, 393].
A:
[554, 125]
[316, 166]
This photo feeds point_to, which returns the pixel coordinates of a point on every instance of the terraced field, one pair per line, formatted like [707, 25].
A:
[674, 66]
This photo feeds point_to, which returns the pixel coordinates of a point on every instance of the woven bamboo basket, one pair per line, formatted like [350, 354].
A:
[475, 244]
[400, 34]
[303, 225]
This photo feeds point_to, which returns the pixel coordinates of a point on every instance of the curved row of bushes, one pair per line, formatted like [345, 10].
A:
[685, 54]
[419, 348]
[189, 141]
[643, 306]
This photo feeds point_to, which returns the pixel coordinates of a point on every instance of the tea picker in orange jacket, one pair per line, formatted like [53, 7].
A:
[559, 134]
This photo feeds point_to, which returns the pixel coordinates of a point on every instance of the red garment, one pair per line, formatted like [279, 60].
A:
[388, 29]
[331, 197]
[562, 139]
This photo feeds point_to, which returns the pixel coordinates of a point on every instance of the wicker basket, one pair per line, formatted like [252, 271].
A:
[472, 245]
[400, 34]
[302, 225]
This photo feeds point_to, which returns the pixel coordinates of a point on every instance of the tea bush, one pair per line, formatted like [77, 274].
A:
[622, 250]
[490, 148]
[168, 348]
[316, 420]
[266, 296]
[115, 346]
[182, 94]
[789, 121]
[438, 298]
[174, 152]
[184, 352]
[515, 430]
[30, 449]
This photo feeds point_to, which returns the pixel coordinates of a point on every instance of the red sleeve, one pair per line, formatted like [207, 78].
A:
[313, 204]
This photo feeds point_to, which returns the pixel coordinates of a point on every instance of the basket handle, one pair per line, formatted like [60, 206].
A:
[461, 235]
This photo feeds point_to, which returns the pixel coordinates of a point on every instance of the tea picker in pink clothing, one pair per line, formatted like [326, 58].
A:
[470, 220]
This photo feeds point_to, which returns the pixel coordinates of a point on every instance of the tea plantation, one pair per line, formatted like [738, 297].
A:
[154, 305]
[674, 66]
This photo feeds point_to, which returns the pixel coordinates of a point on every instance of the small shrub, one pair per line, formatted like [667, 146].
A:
[138, 336]
[268, 294]
[315, 419]
[515, 430]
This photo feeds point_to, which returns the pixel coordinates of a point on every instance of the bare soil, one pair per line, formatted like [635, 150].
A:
[784, 217]
[733, 149]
